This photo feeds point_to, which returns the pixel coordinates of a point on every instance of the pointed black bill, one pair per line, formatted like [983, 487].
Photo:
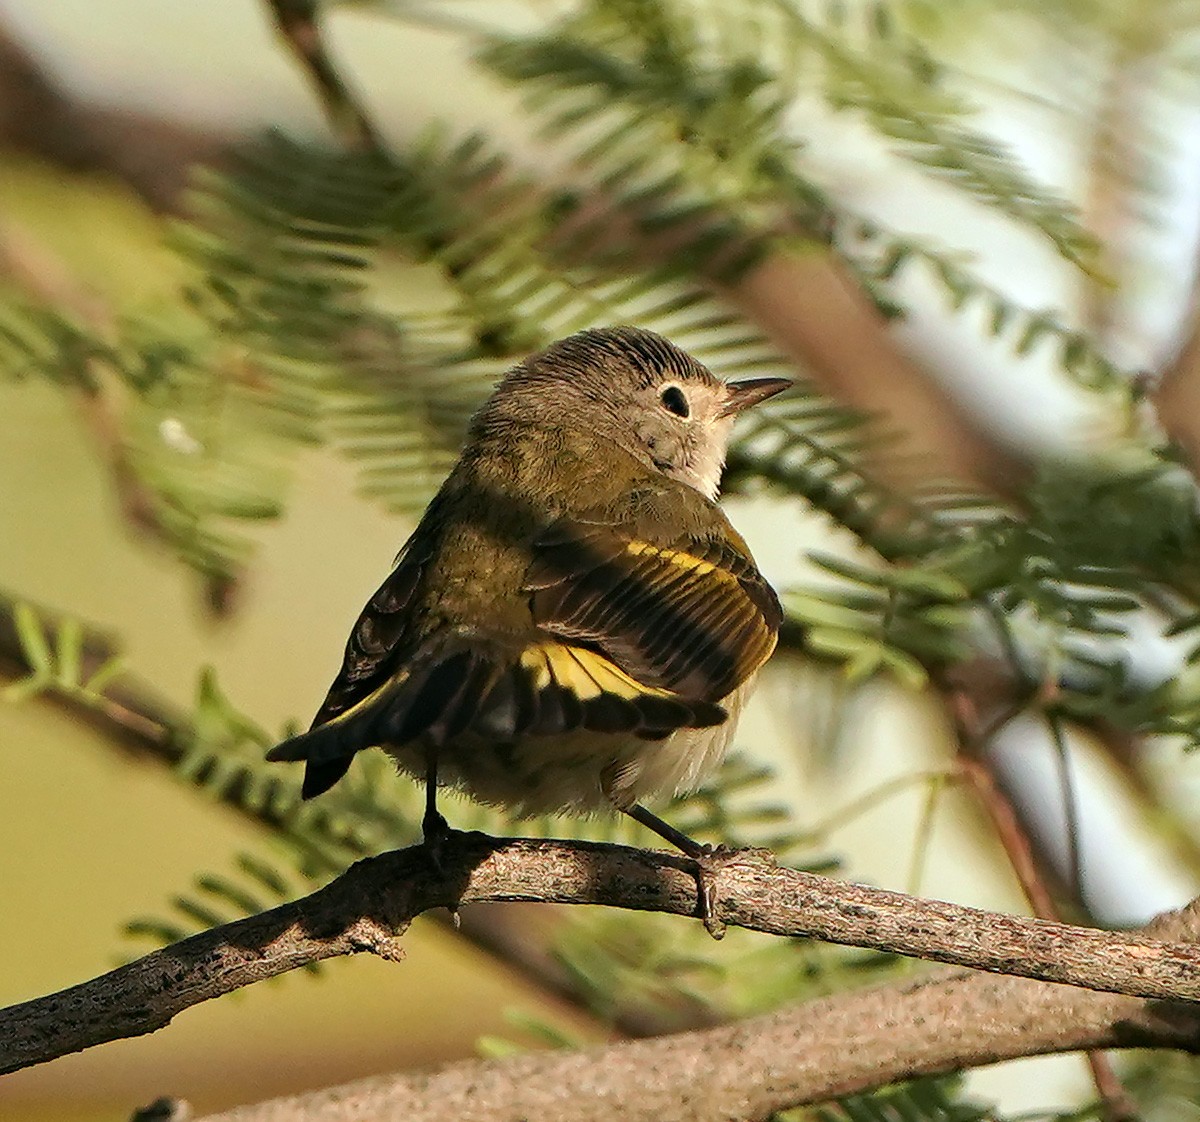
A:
[751, 391]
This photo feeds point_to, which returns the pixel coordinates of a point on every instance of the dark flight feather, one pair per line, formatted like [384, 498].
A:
[694, 618]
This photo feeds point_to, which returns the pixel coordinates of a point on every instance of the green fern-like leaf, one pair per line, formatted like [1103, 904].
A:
[900, 93]
[882, 257]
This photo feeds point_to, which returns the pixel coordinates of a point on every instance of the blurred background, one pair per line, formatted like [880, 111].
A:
[983, 237]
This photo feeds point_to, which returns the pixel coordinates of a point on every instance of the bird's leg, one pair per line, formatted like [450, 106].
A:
[434, 828]
[677, 838]
[708, 859]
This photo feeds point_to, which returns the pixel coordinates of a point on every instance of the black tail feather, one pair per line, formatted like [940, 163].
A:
[452, 687]
[319, 777]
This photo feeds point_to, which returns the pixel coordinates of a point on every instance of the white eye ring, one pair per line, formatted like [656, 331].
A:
[674, 400]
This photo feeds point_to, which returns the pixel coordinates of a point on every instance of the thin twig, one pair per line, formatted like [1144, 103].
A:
[924, 832]
[45, 279]
[1010, 833]
[298, 25]
[1070, 805]
[1118, 1106]
[873, 797]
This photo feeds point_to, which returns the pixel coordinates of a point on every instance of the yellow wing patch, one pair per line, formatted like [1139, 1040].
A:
[575, 687]
[685, 561]
[585, 673]
[691, 615]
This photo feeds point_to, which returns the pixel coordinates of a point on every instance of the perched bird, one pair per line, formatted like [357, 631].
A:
[574, 624]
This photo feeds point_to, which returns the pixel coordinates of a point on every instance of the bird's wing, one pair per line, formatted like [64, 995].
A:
[376, 644]
[642, 621]
[645, 616]
[666, 591]
[374, 660]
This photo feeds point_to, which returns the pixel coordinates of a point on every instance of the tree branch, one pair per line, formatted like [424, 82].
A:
[370, 906]
[152, 155]
[818, 314]
[135, 717]
[38, 273]
[810, 1053]
[128, 713]
[296, 21]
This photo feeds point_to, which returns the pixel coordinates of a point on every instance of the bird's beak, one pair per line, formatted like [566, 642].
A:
[750, 392]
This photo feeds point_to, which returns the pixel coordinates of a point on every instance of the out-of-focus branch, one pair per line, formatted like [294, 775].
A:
[839, 1045]
[1177, 394]
[817, 313]
[154, 156]
[40, 274]
[972, 760]
[1111, 173]
[369, 907]
[1116, 165]
[297, 22]
[129, 714]
[36, 271]
[1176, 391]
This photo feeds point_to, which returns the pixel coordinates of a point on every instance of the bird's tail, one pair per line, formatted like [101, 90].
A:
[435, 696]
[468, 683]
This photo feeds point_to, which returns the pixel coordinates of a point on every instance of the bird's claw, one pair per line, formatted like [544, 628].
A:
[709, 862]
[435, 833]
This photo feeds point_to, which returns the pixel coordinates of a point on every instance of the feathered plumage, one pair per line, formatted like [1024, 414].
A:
[573, 623]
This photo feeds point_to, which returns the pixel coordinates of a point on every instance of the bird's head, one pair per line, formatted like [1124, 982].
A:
[640, 391]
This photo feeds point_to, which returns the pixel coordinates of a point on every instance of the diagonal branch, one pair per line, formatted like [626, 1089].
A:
[370, 906]
[817, 313]
[45, 280]
[297, 22]
[135, 717]
[154, 156]
[809, 1053]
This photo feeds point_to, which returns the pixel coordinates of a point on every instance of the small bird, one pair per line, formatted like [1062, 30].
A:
[574, 625]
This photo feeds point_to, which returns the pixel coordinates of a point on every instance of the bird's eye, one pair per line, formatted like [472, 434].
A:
[673, 399]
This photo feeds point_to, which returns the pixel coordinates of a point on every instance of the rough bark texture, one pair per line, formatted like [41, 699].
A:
[835, 1046]
[369, 907]
[838, 1045]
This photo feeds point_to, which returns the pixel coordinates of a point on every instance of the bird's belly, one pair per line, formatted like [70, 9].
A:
[579, 772]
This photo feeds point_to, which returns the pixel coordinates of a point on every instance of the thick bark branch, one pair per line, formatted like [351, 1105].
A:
[810, 1053]
[134, 717]
[369, 907]
[818, 314]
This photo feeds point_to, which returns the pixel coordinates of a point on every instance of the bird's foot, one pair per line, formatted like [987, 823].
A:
[710, 860]
[435, 833]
